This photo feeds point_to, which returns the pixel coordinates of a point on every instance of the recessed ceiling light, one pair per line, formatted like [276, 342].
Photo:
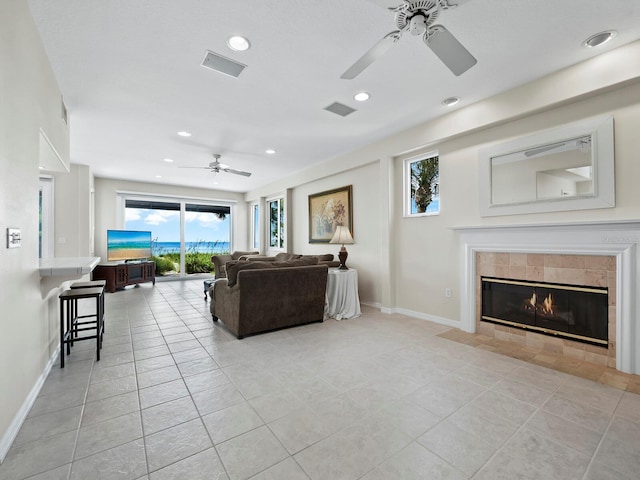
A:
[238, 43]
[599, 38]
[450, 102]
[184, 134]
[361, 96]
[41, 167]
[270, 151]
[158, 176]
[168, 160]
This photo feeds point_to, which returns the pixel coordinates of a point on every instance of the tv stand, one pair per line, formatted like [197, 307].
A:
[119, 275]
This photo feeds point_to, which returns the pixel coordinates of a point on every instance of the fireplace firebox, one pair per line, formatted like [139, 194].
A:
[568, 311]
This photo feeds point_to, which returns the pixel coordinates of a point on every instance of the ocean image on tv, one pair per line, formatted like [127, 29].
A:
[128, 245]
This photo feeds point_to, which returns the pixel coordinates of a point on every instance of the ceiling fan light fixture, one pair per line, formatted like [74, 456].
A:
[599, 39]
[418, 25]
[238, 43]
[450, 102]
[361, 97]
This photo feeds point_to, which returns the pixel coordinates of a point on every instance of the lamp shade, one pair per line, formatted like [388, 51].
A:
[342, 236]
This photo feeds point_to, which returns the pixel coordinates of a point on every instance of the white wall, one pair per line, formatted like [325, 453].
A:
[29, 100]
[106, 208]
[73, 212]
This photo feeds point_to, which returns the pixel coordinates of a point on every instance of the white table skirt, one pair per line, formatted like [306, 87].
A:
[342, 294]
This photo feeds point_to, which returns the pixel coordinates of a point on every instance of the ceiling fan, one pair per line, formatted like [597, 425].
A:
[217, 167]
[418, 17]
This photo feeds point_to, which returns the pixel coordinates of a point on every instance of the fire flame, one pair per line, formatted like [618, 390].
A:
[544, 308]
[547, 305]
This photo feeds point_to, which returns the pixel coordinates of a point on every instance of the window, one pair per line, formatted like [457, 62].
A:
[45, 202]
[255, 208]
[276, 223]
[422, 185]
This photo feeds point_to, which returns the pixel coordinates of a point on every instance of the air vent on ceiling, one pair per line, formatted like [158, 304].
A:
[340, 109]
[223, 64]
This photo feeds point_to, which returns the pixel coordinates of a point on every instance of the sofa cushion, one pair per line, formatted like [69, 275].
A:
[327, 257]
[234, 267]
[285, 257]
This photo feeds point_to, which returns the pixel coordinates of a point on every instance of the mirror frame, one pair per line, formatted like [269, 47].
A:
[601, 131]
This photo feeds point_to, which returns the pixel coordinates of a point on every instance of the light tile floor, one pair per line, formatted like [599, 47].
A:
[375, 398]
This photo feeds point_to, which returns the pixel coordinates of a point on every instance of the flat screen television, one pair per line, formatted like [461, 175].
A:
[128, 245]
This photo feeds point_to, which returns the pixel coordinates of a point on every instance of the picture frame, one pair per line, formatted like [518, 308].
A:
[422, 185]
[327, 210]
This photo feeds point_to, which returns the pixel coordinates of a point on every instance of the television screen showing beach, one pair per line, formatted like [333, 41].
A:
[128, 245]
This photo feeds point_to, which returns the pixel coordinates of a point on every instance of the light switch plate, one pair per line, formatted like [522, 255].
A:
[13, 238]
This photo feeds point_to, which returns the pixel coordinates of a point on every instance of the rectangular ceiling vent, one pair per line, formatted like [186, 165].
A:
[340, 109]
[223, 64]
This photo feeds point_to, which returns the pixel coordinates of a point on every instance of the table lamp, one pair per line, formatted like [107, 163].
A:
[342, 236]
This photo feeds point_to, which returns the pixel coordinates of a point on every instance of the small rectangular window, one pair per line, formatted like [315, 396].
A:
[422, 185]
[256, 226]
[276, 223]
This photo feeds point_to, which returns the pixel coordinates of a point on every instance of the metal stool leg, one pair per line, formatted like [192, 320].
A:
[62, 323]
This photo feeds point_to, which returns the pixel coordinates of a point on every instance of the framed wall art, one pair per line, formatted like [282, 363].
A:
[327, 210]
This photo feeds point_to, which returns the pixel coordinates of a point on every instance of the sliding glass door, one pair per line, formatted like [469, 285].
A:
[185, 234]
[206, 231]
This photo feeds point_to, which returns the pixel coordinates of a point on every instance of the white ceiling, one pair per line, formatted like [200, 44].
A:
[131, 77]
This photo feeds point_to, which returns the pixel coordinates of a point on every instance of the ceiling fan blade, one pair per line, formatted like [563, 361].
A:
[389, 4]
[371, 55]
[392, 4]
[236, 172]
[206, 168]
[449, 50]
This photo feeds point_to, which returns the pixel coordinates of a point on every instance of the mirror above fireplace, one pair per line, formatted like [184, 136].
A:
[567, 168]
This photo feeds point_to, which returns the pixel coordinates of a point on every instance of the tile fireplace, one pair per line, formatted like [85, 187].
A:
[539, 251]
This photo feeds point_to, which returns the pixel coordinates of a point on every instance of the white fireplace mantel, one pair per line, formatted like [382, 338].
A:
[615, 238]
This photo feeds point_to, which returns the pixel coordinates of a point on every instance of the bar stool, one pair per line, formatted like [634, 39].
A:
[88, 284]
[71, 322]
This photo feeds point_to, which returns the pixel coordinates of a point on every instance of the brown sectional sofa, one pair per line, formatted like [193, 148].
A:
[262, 296]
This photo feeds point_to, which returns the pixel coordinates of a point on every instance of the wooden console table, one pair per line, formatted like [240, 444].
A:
[119, 275]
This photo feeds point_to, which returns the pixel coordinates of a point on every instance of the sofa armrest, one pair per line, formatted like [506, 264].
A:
[238, 254]
[219, 262]
[330, 264]
[226, 303]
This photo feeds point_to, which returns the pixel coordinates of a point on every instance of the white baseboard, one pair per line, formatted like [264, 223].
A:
[10, 435]
[422, 316]
[375, 305]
